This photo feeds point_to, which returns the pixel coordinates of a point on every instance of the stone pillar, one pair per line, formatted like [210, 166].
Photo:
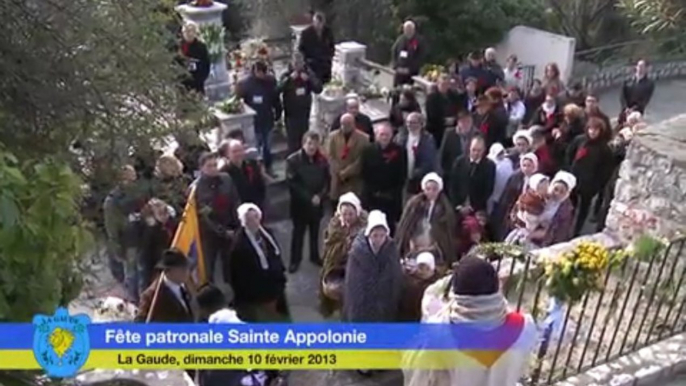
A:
[218, 84]
[346, 65]
[650, 193]
[243, 121]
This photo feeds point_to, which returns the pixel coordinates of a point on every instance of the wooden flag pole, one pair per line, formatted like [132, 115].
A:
[154, 298]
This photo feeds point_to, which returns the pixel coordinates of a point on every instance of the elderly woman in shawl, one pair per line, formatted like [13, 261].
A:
[257, 273]
[527, 215]
[503, 171]
[515, 186]
[430, 209]
[472, 297]
[343, 227]
[419, 274]
[559, 211]
[373, 276]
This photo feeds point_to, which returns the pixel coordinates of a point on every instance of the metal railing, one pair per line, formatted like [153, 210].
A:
[640, 303]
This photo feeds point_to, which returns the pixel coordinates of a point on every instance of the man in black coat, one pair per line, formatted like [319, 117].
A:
[442, 105]
[259, 91]
[308, 177]
[318, 47]
[195, 57]
[472, 177]
[384, 171]
[637, 92]
[216, 200]
[296, 87]
[362, 121]
[246, 174]
[407, 54]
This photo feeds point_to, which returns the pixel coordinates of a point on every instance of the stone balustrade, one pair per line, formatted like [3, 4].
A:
[614, 76]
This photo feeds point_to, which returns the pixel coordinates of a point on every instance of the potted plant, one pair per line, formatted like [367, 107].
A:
[213, 37]
[202, 3]
[231, 106]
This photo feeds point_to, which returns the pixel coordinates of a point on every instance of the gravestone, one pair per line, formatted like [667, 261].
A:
[218, 84]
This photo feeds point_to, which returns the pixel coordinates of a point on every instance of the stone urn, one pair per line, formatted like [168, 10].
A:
[229, 122]
[209, 18]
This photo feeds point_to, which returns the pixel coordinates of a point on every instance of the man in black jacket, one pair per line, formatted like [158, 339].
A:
[259, 91]
[384, 171]
[195, 57]
[637, 92]
[362, 121]
[442, 106]
[472, 177]
[407, 54]
[296, 87]
[318, 47]
[246, 174]
[307, 173]
[217, 201]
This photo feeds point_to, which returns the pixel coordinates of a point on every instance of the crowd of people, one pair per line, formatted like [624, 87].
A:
[487, 158]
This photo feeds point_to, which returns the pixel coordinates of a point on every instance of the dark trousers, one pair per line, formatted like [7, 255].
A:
[301, 224]
[391, 206]
[296, 127]
[401, 79]
[216, 248]
[263, 134]
[583, 203]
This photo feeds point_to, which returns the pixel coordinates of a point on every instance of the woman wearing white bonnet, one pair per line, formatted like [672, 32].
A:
[559, 212]
[419, 275]
[429, 209]
[373, 277]
[539, 183]
[503, 171]
[517, 184]
[257, 273]
[522, 145]
[343, 227]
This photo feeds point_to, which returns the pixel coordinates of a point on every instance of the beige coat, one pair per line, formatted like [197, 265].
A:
[345, 168]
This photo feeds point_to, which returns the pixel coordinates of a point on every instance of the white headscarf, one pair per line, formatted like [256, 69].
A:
[524, 134]
[350, 198]
[531, 157]
[495, 150]
[225, 316]
[566, 178]
[376, 219]
[432, 177]
[428, 259]
[243, 210]
[536, 180]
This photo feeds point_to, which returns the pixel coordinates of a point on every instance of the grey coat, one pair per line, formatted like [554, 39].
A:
[373, 282]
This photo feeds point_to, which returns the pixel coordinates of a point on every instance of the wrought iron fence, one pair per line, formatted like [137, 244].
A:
[640, 303]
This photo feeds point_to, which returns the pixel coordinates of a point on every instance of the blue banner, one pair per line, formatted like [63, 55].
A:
[130, 336]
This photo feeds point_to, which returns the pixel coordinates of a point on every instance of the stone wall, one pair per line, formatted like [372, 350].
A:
[604, 78]
[650, 194]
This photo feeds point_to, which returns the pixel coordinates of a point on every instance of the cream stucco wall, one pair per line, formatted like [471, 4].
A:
[538, 48]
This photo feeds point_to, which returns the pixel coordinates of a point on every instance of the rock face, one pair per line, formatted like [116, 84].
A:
[650, 194]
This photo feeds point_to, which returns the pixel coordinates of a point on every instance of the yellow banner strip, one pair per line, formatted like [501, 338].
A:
[268, 359]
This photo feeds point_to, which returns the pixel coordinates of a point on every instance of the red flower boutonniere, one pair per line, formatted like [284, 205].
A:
[345, 152]
[389, 156]
[518, 74]
[250, 173]
[484, 128]
[184, 48]
[220, 203]
[581, 153]
[414, 44]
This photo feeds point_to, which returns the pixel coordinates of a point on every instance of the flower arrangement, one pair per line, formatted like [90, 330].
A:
[373, 91]
[202, 3]
[334, 87]
[213, 36]
[233, 105]
[574, 273]
[495, 251]
[254, 50]
[431, 72]
[646, 246]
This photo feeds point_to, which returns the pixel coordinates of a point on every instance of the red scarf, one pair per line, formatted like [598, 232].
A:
[581, 153]
[550, 119]
[346, 151]
[483, 127]
[220, 204]
[185, 46]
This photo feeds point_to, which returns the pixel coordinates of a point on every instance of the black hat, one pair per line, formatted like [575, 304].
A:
[475, 276]
[173, 258]
[210, 297]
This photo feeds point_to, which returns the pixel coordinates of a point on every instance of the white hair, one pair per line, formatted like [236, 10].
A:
[409, 23]
[191, 26]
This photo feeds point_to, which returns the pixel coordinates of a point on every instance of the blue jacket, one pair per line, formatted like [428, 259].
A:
[263, 97]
